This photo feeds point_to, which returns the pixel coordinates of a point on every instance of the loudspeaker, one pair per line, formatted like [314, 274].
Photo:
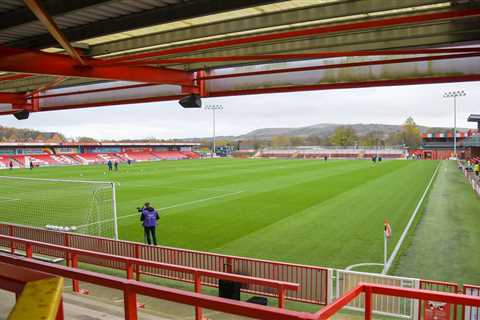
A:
[22, 115]
[258, 300]
[191, 101]
[229, 289]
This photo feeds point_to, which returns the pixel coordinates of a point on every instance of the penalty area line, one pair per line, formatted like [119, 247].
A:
[165, 208]
[409, 224]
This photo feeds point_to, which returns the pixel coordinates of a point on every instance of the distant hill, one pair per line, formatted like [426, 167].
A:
[325, 129]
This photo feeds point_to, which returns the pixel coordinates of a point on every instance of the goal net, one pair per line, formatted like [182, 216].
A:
[86, 207]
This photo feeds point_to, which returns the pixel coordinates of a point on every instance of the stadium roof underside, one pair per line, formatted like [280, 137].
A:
[58, 54]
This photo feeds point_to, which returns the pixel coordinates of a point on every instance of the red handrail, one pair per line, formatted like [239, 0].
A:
[132, 264]
[131, 288]
[313, 279]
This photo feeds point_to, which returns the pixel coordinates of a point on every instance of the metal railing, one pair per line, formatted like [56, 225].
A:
[132, 288]
[313, 281]
[399, 307]
[131, 264]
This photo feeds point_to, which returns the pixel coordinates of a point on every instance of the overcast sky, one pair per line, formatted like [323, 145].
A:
[388, 105]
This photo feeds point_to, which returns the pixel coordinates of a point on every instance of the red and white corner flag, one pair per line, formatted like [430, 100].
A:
[387, 229]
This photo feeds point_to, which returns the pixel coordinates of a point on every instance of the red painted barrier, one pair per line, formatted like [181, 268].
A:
[440, 286]
[313, 280]
[131, 289]
[471, 313]
[130, 264]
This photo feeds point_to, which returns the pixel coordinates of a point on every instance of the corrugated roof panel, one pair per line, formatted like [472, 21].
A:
[89, 12]
[7, 5]
[241, 13]
[23, 31]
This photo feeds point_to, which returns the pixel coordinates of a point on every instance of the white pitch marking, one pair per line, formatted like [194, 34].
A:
[164, 208]
[7, 199]
[409, 224]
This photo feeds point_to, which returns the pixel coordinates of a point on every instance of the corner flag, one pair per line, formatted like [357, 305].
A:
[387, 229]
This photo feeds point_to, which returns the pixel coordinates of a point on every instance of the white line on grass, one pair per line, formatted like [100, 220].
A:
[409, 224]
[7, 199]
[165, 208]
[55, 180]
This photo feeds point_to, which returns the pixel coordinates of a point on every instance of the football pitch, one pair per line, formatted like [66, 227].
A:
[310, 212]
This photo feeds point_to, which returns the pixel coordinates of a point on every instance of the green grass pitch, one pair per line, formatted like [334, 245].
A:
[312, 212]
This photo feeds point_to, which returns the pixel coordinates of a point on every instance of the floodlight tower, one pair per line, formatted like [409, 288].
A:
[454, 95]
[214, 107]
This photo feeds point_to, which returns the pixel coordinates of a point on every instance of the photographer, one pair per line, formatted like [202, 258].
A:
[149, 217]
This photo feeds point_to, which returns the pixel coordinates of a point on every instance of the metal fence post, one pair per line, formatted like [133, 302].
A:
[130, 304]
[330, 286]
[198, 289]
[28, 250]
[60, 315]
[281, 297]
[129, 270]
[12, 244]
[74, 264]
[368, 304]
[137, 266]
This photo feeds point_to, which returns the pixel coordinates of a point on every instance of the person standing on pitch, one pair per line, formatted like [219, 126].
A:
[149, 218]
[116, 165]
[109, 165]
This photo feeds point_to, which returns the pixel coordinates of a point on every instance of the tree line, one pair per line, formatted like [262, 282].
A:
[342, 136]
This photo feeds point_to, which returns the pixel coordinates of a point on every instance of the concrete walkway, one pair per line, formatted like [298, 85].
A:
[446, 242]
[107, 304]
[77, 308]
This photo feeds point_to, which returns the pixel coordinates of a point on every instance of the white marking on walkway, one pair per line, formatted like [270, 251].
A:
[409, 224]
[165, 208]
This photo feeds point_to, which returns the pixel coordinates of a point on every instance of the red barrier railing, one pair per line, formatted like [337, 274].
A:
[471, 313]
[131, 289]
[131, 264]
[313, 280]
[440, 286]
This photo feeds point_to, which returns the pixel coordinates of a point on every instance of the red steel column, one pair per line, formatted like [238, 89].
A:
[198, 289]
[368, 304]
[130, 304]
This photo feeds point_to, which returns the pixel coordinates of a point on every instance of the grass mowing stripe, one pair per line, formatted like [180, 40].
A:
[409, 224]
[305, 211]
[164, 208]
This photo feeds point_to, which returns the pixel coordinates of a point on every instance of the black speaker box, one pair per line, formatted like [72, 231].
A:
[191, 101]
[22, 115]
[229, 289]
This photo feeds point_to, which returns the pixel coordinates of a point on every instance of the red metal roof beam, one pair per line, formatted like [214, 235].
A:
[12, 98]
[291, 56]
[38, 10]
[372, 24]
[37, 62]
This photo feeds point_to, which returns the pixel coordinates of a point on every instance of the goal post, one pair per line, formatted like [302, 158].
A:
[86, 207]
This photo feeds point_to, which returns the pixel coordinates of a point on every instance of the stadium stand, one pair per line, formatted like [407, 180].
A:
[138, 156]
[53, 154]
[337, 153]
[170, 155]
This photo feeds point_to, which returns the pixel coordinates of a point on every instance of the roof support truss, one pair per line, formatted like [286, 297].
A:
[37, 9]
[36, 62]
